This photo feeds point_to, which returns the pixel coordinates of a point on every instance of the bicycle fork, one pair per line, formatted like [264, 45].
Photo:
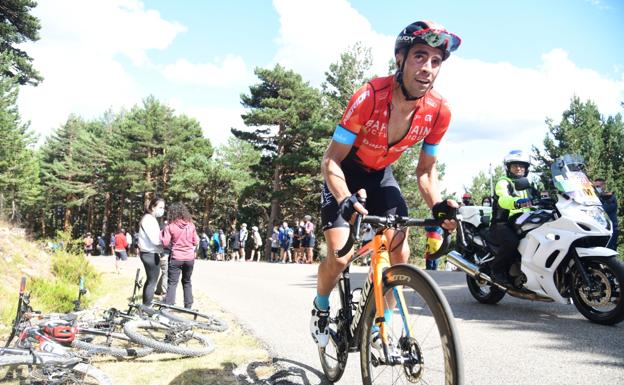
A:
[383, 262]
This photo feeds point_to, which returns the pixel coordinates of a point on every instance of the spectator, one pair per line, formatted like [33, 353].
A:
[234, 244]
[223, 246]
[163, 264]
[181, 237]
[275, 245]
[121, 244]
[204, 245]
[486, 201]
[309, 239]
[88, 244]
[151, 247]
[101, 244]
[609, 203]
[467, 199]
[299, 234]
[285, 238]
[256, 243]
[129, 242]
[242, 239]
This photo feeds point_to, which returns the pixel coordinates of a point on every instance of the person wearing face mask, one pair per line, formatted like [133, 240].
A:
[150, 246]
[609, 203]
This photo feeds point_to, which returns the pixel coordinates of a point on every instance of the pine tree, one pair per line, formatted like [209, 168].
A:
[286, 114]
[18, 26]
[19, 172]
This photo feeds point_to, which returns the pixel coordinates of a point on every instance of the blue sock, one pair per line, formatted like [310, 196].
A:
[388, 315]
[321, 302]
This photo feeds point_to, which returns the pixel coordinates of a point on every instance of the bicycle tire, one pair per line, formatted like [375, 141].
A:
[42, 359]
[429, 295]
[113, 344]
[198, 320]
[93, 372]
[135, 331]
[334, 361]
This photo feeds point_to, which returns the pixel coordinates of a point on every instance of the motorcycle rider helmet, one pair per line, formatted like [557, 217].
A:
[518, 157]
[423, 32]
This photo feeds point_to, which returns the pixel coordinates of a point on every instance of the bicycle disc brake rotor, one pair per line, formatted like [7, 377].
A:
[414, 365]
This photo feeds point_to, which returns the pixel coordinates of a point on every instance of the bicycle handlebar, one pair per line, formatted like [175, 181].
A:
[393, 221]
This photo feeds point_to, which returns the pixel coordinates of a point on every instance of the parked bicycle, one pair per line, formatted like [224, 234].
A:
[419, 344]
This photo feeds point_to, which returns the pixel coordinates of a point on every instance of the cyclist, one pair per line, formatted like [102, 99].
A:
[508, 204]
[383, 119]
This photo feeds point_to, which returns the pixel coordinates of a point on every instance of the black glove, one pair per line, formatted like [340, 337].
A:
[442, 211]
[346, 208]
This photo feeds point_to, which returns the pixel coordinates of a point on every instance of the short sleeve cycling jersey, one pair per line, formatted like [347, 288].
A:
[365, 124]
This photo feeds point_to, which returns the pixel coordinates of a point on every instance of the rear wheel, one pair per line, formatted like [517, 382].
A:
[334, 355]
[423, 343]
[113, 344]
[605, 303]
[169, 339]
[484, 292]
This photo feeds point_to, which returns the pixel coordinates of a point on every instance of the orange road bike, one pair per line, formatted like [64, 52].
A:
[419, 343]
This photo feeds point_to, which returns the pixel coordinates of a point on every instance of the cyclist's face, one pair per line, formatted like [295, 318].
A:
[422, 64]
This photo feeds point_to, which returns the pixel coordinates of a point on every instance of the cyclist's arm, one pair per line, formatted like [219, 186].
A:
[427, 177]
[332, 172]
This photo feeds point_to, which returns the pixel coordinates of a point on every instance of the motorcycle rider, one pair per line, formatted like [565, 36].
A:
[508, 204]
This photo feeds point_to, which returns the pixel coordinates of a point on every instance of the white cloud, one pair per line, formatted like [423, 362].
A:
[216, 122]
[313, 34]
[78, 55]
[230, 71]
[498, 107]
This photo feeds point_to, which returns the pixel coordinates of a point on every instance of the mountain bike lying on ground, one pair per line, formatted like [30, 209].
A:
[420, 343]
[40, 348]
[143, 325]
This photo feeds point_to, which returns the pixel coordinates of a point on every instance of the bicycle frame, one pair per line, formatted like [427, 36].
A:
[380, 261]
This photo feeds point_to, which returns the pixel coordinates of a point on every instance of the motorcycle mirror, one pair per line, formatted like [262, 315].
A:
[522, 183]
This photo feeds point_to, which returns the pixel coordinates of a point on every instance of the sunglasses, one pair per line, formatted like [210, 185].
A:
[436, 38]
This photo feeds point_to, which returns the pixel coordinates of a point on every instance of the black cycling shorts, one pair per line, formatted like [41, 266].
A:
[382, 191]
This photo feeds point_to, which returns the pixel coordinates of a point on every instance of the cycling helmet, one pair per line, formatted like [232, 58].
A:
[517, 156]
[429, 33]
[423, 32]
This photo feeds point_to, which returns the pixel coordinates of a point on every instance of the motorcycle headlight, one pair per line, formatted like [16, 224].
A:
[599, 215]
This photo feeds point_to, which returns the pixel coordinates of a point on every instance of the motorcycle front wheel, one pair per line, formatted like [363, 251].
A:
[605, 303]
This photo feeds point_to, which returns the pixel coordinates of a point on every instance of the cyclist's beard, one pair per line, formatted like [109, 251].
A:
[397, 239]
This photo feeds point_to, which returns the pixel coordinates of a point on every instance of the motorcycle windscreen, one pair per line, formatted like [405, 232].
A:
[577, 186]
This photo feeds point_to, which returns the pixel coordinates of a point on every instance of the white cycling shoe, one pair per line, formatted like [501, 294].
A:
[319, 326]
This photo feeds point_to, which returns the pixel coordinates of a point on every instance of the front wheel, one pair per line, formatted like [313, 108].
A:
[423, 343]
[168, 339]
[605, 303]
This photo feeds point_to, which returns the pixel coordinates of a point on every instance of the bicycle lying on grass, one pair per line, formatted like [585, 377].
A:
[419, 344]
[47, 361]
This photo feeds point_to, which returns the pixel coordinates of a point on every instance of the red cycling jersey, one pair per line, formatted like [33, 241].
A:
[367, 117]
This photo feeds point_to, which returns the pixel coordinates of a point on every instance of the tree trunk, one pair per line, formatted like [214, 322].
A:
[120, 209]
[107, 213]
[67, 218]
[43, 223]
[90, 215]
[275, 201]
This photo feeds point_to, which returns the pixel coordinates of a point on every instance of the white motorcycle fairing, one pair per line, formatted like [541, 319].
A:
[546, 245]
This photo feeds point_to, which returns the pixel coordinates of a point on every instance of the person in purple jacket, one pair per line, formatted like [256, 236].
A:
[181, 237]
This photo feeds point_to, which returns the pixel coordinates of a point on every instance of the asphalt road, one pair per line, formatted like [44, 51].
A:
[514, 342]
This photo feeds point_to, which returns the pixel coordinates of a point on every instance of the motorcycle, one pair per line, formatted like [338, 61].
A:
[562, 248]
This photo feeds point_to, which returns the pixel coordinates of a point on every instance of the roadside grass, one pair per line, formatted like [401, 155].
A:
[235, 348]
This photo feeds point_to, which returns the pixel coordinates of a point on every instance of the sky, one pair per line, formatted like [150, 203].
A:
[520, 62]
